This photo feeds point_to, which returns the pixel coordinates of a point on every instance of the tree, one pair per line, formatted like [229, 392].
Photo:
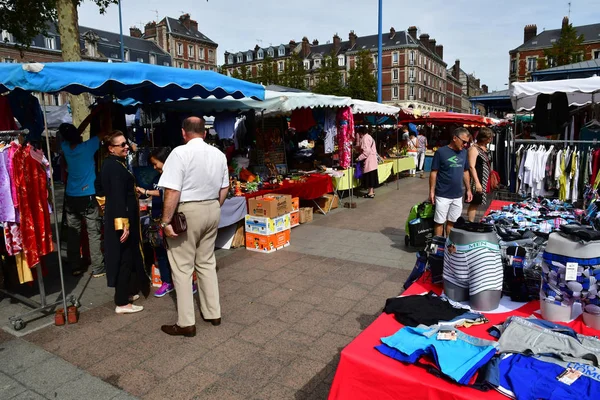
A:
[268, 74]
[329, 77]
[362, 84]
[25, 19]
[567, 49]
[294, 74]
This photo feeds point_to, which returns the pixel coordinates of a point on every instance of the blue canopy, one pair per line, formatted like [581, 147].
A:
[143, 82]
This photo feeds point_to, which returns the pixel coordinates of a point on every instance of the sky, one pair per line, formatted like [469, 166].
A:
[478, 32]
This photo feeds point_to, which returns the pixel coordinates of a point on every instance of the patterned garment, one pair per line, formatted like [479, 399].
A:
[12, 238]
[345, 121]
[32, 192]
[7, 208]
[483, 170]
[330, 131]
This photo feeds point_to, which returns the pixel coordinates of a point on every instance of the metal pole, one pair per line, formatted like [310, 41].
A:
[121, 33]
[56, 225]
[396, 160]
[379, 51]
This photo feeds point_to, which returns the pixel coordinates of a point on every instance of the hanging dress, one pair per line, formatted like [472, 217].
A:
[345, 121]
[482, 166]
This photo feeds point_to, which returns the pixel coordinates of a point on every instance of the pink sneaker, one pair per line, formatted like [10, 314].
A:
[165, 289]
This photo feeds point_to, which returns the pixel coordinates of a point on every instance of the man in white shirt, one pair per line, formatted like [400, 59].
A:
[196, 180]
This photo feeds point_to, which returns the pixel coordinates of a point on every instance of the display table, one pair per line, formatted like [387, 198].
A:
[315, 186]
[365, 373]
[233, 210]
[346, 182]
[403, 164]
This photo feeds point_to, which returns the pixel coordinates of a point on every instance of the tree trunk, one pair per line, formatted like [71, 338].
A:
[68, 27]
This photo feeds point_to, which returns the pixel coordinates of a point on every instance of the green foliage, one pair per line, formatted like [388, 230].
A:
[567, 49]
[329, 77]
[268, 73]
[25, 19]
[294, 73]
[362, 84]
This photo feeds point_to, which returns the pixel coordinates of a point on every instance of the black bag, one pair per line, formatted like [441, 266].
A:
[420, 232]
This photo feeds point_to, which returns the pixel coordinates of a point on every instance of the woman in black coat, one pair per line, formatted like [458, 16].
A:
[122, 234]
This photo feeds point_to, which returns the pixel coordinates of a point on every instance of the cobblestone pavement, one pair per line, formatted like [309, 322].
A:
[286, 317]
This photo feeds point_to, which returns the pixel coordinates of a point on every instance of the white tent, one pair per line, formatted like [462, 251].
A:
[284, 102]
[372, 108]
[579, 92]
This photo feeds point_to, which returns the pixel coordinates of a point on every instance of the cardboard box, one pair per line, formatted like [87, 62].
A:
[327, 201]
[270, 205]
[295, 203]
[267, 243]
[295, 218]
[266, 225]
[306, 215]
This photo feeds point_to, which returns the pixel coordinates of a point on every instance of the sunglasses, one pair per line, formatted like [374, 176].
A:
[122, 145]
[465, 142]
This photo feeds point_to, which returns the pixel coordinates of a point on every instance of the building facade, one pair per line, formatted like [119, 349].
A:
[414, 72]
[453, 94]
[470, 86]
[189, 48]
[529, 57]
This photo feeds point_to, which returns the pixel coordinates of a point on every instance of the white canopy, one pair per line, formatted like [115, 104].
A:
[285, 102]
[370, 107]
[579, 92]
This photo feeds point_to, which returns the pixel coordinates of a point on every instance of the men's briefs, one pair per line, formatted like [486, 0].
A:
[458, 359]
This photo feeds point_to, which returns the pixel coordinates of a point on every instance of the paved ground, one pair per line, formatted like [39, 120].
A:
[286, 316]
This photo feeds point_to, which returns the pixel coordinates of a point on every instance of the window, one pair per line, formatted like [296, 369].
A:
[179, 49]
[420, 76]
[513, 66]
[281, 51]
[395, 58]
[306, 64]
[280, 66]
[56, 99]
[420, 93]
[201, 53]
[306, 83]
[395, 92]
[577, 57]
[596, 54]
[166, 64]
[532, 64]
[341, 61]
[375, 60]
[6, 37]
[259, 68]
[9, 60]
[179, 64]
[230, 59]
[411, 58]
[411, 91]
[50, 43]
[317, 63]
[126, 55]
[551, 61]
[271, 52]
[249, 56]
[261, 54]
[191, 51]
[153, 59]
[211, 55]
[395, 75]
[240, 58]
[420, 59]
[140, 60]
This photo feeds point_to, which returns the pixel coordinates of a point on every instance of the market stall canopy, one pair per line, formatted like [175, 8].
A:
[373, 108]
[142, 82]
[579, 92]
[436, 117]
[406, 115]
[286, 102]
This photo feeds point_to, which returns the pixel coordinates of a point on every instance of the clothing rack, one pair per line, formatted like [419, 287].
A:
[43, 305]
[558, 141]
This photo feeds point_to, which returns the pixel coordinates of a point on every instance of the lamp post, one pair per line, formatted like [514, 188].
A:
[121, 33]
[379, 50]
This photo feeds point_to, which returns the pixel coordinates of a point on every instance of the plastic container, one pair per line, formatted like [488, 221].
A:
[591, 320]
[555, 312]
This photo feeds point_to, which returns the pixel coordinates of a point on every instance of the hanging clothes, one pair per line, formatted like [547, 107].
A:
[26, 109]
[330, 129]
[302, 120]
[345, 123]
[7, 120]
[225, 125]
[551, 113]
[7, 207]
[240, 132]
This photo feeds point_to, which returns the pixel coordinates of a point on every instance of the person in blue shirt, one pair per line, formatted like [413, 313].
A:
[448, 168]
[80, 201]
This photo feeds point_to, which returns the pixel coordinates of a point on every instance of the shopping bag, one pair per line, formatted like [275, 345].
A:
[493, 181]
[419, 231]
[358, 170]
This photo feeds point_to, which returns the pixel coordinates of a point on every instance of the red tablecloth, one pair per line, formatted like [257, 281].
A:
[364, 373]
[314, 187]
[496, 205]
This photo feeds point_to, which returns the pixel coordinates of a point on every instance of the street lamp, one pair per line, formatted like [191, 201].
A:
[121, 29]
[379, 50]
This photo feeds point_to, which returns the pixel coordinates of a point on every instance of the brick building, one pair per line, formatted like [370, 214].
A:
[526, 58]
[469, 84]
[453, 94]
[188, 47]
[414, 72]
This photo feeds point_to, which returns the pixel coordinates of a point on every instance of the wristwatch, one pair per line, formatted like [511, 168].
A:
[164, 224]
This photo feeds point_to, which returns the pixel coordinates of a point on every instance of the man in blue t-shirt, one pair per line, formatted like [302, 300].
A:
[449, 169]
[80, 200]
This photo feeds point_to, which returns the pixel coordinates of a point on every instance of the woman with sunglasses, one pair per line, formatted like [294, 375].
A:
[122, 234]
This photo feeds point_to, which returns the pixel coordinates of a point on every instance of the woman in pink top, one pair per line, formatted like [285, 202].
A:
[368, 155]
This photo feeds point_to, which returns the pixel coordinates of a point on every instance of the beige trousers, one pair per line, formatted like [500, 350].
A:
[195, 250]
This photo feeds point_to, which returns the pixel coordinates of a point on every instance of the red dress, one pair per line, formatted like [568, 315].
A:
[32, 192]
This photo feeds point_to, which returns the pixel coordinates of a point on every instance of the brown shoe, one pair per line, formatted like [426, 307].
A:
[176, 330]
[215, 322]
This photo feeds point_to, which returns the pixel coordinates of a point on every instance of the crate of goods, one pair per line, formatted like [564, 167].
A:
[295, 218]
[267, 243]
[270, 205]
[306, 215]
[266, 225]
[295, 203]
[327, 202]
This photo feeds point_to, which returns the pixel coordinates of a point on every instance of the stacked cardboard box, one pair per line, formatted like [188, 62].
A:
[268, 223]
[295, 214]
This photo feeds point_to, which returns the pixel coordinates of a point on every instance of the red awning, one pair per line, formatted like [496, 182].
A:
[435, 117]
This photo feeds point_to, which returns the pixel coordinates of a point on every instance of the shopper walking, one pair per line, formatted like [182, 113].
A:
[448, 169]
[479, 167]
[413, 151]
[368, 156]
[122, 233]
[421, 150]
[196, 181]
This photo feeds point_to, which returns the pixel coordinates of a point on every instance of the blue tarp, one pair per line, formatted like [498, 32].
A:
[142, 82]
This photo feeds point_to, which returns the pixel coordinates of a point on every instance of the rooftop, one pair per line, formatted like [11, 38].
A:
[591, 33]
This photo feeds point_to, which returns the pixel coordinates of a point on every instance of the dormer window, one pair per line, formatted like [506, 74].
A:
[51, 43]
[281, 51]
[240, 58]
[230, 59]
[6, 37]
[317, 63]
[249, 56]
[271, 52]
[341, 61]
[261, 54]
[306, 64]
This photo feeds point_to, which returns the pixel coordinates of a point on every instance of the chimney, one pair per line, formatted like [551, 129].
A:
[565, 23]
[292, 45]
[352, 37]
[432, 43]
[136, 32]
[412, 31]
[337, 43]
[457, 69]
[424, 38]
[484, 88]
[392, 32]
[150, 29]
[256, 48]
[193, 25]
[305, 47]
[315, 42]
[185, 20]
[529, 33]
[439, 50]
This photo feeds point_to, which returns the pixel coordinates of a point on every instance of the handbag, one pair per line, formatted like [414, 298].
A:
[358, 170]
[493, 181]
[179, 223]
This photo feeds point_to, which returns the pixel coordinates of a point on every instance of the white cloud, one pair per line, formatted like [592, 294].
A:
[479, 33]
